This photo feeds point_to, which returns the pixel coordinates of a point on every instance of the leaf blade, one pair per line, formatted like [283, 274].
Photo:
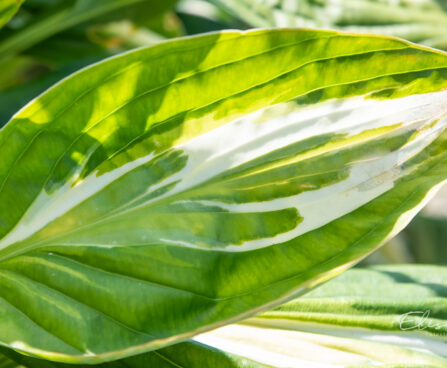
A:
[147, 200]
[418, 22]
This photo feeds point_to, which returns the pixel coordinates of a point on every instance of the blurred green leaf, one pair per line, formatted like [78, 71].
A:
[200, 16]
[6, 362]
[419, 21]
[12, 99]
[426, 237]
[427, 234]
[7, 10]
[423, 240]
[71, 13]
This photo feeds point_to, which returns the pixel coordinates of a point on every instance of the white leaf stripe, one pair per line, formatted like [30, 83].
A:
[206, 160]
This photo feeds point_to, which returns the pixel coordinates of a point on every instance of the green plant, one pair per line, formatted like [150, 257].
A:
[174, 189]
[379, 316]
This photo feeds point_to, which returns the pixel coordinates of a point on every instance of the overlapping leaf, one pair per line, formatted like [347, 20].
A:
[418, 21]
[173, 189]
[364, 318]
[381, 315]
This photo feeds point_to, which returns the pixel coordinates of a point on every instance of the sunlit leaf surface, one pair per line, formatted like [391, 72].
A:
[177, 188]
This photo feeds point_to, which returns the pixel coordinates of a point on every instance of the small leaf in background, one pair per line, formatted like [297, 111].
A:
[7, 363]
[69, 14]
[199, 16]
[419, 21]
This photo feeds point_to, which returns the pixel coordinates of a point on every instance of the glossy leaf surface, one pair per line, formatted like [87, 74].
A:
[177, 188]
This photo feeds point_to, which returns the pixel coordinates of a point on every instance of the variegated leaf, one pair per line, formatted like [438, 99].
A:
[419, 21]
[381, 316]
[177, 188]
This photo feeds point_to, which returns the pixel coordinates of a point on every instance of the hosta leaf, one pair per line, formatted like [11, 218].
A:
[379, 316]
[278, 347]
[7, 9]
[381, 298]
[419, 21]
[173, 189]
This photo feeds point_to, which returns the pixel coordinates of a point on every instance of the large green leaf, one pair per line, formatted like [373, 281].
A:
[177, 188]
[419, 21]
[380, 316]
[7, 9]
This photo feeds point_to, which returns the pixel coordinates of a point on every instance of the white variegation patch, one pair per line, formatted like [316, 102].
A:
[257, 134]
[48, 207]
[322, 346]
[417, 339]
